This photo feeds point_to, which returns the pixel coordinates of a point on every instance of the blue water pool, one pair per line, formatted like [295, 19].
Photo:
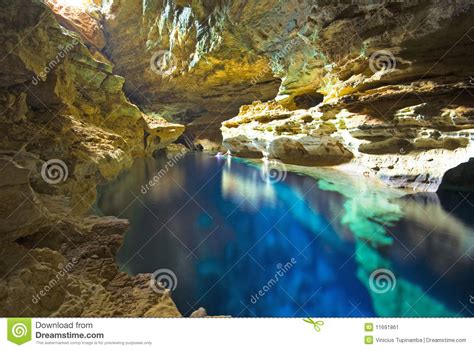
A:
[245, 239]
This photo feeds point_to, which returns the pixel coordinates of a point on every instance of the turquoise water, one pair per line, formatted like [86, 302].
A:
[252, 240]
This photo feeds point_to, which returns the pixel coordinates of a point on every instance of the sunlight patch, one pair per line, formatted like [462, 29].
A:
[71, 3]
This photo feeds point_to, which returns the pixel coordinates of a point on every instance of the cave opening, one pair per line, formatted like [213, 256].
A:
[308, 100]
[69, 3]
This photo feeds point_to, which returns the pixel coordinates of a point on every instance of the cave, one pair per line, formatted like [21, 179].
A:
[154, 155]
[308, 100]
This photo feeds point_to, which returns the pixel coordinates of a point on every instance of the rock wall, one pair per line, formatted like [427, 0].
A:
[65, 125]
[393, 81]
[396, 90]
[181, 58]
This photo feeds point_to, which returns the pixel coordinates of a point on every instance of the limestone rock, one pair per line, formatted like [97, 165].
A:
[178, 63]
[200, 56]
[20, 210]
[70, 270]
[352, 136]
[175, 150]
[160, 133]
[297, 137]
[199, 313]
[391, 80]
[61, 106]
[86, 120]
[83, 20]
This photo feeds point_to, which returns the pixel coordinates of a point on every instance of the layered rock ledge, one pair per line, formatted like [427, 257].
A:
[412, 150]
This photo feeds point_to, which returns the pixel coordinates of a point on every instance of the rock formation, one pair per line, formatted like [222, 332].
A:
[381, 89]
[396, 95]
[66, 125]
[392, 82]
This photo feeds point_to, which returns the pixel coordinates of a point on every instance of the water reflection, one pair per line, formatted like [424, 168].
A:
[218, 221]
[244, 190]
